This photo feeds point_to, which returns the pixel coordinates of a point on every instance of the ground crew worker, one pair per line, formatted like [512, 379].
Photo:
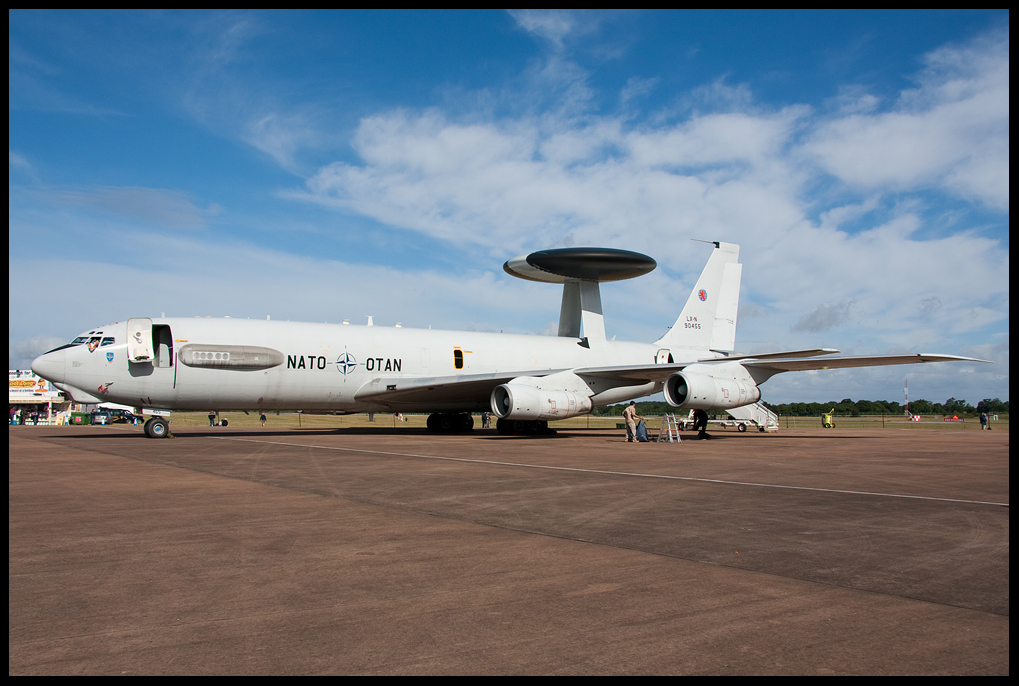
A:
[630, 416]
[700, 420]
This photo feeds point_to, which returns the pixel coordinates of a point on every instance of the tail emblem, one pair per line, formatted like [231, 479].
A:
[702, 294]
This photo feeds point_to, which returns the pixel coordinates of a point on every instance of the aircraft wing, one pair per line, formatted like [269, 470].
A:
[765, 366]
[813, 352]
[634, 372]
[474, 389]
[763, 369]
[462, 388]
[660, 372]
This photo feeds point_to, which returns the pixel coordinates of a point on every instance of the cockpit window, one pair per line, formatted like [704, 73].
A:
[91, 335]
[109, 340]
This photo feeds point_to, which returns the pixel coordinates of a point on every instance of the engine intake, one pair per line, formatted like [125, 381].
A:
[516, 401]
[690, 390]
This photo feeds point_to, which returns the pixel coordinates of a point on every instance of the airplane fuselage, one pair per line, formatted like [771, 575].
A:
[319, 367]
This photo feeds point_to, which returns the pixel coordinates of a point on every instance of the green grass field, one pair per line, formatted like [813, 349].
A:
[893, 421]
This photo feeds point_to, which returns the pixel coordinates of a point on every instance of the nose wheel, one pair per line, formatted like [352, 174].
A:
[157, 427]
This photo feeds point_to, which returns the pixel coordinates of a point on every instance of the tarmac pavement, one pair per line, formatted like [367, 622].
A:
[374, 551]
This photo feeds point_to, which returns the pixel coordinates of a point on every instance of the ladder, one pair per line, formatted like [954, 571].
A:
[669, 429]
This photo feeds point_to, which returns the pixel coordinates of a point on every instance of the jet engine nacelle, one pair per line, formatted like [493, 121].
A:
[517, 401]
[691, 390]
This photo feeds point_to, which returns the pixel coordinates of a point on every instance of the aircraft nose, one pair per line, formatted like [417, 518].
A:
[50, 366]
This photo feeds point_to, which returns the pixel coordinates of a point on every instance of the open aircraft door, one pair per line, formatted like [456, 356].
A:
[139, 340]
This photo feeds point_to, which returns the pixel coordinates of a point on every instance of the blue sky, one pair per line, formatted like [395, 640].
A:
[321, 166]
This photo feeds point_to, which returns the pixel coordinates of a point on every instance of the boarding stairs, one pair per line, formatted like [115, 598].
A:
[756, 414]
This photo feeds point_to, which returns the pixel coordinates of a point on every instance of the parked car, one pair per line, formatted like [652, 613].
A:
[101, 417]
[105, 416]
[123, 416]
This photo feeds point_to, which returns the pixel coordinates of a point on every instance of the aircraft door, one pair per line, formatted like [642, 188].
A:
[139, 340]
[162, 344]
[663, 357]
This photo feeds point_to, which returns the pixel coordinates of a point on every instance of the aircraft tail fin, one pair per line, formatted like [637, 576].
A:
[708, 322]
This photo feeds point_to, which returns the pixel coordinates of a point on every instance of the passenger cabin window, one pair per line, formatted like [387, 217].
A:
[458, 358]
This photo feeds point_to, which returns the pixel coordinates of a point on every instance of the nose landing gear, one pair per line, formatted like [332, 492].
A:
[157, 427]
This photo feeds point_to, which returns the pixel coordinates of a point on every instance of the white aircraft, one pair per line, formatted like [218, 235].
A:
[157, 365]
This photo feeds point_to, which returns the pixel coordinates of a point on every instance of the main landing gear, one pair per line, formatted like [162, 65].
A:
[514, 427]
[442, 422]
[450, 423]
[157, 427]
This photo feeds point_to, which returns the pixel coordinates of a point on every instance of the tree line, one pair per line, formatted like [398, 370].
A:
[844, 408]
[847, 407]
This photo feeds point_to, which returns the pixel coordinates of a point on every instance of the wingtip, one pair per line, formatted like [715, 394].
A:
[959, 358]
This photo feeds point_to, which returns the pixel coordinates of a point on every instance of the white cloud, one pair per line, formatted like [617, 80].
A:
[19, 166]
[718, 95]
[21, 352]
[951, 131]
[825, 317]
[530, 181]
[637, 87]
[281, 137]
[553, 25]
[18, 162]
[152, 206]
[221, 90]
[209, 275]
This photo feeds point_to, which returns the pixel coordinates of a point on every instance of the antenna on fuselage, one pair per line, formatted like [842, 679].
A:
[371, 320]
[717, 244]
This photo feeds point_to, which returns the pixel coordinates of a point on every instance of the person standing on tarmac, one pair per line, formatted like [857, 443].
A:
[700, 420]
[630, 416]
